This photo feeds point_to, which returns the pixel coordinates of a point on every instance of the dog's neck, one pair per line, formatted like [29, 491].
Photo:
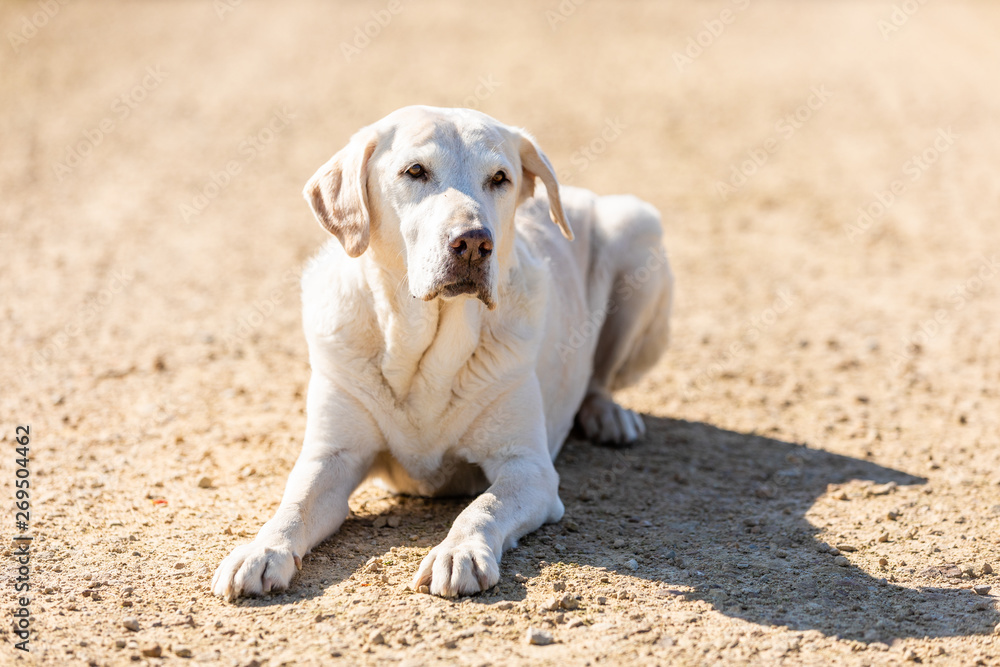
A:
[425, 343]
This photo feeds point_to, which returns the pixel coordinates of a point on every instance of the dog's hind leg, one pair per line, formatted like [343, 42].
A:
[636, 329]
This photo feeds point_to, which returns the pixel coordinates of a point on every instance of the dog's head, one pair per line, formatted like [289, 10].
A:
[432, 192]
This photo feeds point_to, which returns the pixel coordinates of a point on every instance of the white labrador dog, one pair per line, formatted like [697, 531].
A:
[454, 335]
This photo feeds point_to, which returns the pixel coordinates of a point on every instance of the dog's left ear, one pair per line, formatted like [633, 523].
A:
[535, 164]
[338, 193]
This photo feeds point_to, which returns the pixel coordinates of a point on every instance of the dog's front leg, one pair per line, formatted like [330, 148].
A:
[340, 443]
[523, 494]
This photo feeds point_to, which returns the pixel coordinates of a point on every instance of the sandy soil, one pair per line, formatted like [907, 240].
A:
[820, 485]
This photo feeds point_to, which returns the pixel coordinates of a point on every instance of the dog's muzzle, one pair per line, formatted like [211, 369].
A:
[467, 268]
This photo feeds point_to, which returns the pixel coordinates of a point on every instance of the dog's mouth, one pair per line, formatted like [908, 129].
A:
[461, 287]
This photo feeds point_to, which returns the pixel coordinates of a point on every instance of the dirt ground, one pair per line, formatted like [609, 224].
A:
[820, 484]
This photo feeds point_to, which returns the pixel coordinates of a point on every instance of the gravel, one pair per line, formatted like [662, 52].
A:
[538, 637]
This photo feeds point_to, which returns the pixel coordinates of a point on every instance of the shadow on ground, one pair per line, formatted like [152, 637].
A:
[718, 514]
[728, 514]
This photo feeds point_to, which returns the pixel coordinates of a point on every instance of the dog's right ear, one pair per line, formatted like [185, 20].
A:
[338, 193]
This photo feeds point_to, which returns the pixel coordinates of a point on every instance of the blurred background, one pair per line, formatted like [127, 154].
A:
[826, 171]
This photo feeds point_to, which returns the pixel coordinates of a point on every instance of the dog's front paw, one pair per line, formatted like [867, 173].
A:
[259, 567]
[604, 422]
[458, 568]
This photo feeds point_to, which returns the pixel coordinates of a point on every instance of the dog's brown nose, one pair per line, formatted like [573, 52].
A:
[472, 245]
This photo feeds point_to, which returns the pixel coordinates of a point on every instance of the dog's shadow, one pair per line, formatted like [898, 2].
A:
[705, 514]
[721, 517]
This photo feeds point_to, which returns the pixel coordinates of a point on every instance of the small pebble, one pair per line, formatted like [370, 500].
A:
[205, 483]
[538, 637]
[632, 564]
[846, 547]
[618, 544]
[375, 638]
[380, 522]
[424, 589]
[119, 643]
[982, 589]
[987, 568]
[551, 604]
[505, 605]
[559, 586]
[882, 489]
[569, 603]
[884, 537]
[182, 651]
[393, 521]
[152, 651]
[601, 599]
[131, 623]
[883, 562]
[841, 561]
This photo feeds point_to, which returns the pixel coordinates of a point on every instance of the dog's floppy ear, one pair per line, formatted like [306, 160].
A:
[338, 193]
[534, 163]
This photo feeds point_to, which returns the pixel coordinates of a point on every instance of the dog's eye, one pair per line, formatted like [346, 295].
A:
[417, 171]
[499, 177]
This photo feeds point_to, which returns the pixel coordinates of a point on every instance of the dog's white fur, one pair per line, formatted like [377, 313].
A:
[433, 393]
